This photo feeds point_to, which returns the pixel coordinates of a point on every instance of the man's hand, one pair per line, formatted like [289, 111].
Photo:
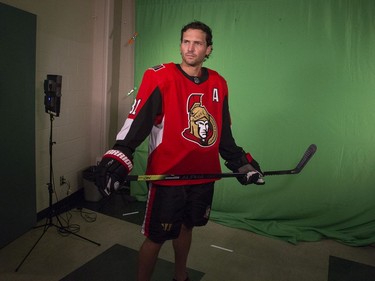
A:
[112, 171]
[253, 174]
[247, 165]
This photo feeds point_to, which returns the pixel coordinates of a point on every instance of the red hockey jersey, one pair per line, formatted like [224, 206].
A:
[187, 121]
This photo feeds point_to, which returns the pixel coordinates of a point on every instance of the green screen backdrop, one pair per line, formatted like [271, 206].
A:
[299, 72]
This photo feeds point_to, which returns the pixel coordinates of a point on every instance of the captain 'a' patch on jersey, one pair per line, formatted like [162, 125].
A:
[202, 128]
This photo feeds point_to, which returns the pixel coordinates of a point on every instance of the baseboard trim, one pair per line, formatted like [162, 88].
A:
[72, 201]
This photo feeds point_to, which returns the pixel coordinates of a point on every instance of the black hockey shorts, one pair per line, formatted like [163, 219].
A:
[168, 207]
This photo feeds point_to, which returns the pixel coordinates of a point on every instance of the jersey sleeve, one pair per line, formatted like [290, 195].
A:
[146, 108]
[228, 148]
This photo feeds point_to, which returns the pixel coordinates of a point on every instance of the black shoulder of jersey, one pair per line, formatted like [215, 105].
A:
[158, 67]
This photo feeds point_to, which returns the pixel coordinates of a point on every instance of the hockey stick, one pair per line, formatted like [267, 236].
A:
[302, 163]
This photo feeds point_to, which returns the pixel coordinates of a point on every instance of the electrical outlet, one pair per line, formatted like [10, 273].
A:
[62, 180]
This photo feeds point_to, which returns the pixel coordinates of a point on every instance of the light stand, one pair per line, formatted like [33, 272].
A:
[51, 211]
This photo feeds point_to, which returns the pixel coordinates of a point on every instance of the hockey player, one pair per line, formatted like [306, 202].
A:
[183, 109]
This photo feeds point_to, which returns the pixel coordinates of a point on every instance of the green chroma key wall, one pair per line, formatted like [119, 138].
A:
[299, 72]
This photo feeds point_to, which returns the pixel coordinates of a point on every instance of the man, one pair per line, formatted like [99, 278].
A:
[183, 108]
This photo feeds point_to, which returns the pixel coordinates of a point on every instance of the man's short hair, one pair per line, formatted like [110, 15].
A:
[201, 26]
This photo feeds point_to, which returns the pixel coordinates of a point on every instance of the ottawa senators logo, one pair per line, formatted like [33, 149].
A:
[202, 127]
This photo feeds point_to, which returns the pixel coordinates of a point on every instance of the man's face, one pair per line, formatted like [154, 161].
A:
[193, 47]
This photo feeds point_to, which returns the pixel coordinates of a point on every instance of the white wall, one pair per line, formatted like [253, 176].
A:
[75, 40]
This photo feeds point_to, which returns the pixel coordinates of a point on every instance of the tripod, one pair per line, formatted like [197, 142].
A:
[51, 212]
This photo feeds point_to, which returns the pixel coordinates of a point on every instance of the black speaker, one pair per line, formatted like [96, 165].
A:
[52, 91]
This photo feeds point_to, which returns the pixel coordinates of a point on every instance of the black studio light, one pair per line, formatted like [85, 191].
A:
[52, 91]
[52, 100]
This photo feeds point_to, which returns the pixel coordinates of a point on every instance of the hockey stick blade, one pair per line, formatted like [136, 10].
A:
[309, 153]
[305, 159]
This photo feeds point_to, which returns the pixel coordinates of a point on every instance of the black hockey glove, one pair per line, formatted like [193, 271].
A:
[112, 171]
[247, 165]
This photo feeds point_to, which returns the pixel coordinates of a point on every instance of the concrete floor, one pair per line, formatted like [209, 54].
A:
[245, 256]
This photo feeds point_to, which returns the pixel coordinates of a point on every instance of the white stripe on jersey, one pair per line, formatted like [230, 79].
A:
[156, 136]
[125, 129]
